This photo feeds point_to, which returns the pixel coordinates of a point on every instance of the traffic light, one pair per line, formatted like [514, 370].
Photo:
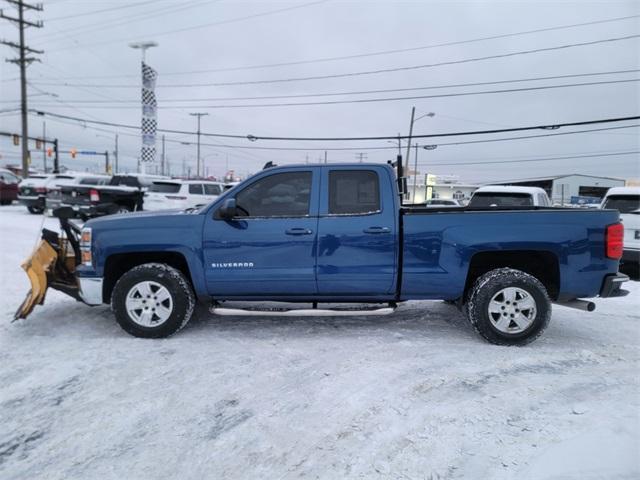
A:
[16, 140]
[49, 152]
[73, 152]
[38, 144]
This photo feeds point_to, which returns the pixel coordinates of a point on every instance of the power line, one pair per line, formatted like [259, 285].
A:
[118, 22]
[360, 148]
[366, 92]
[204, 25]
[376, 100]
[361, 73]
[93, 12]
[332, 139]
[529, 160]
[383, 52]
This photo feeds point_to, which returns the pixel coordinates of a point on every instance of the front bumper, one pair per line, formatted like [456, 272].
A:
[90, 290]
[611, 285]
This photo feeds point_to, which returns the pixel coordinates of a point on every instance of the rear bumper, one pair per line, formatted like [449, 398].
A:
[30, 201]
[611, 285]
[90, 290]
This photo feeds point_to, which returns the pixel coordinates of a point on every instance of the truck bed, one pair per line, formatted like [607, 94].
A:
[440, 244]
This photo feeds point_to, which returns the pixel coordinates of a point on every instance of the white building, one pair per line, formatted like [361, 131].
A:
[572, 188]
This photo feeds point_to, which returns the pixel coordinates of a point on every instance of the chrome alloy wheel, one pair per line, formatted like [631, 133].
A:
[512, 310]
[149, 304]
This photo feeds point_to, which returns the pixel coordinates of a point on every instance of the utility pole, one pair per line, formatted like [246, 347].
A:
[44, 145]
[163, 158]
[115, 170]
[106, 161]
[361, 156]
[23, 61]
[199, 115]
[415, 174]
[56, 159]
[325, 156]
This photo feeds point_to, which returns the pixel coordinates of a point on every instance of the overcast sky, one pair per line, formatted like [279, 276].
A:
[95, 74]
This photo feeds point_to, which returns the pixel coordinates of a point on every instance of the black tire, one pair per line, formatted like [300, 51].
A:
[35, 210]
[490, 286]
[177, 285]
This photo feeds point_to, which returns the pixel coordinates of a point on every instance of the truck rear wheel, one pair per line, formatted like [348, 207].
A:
[508, 307]
[153, 300]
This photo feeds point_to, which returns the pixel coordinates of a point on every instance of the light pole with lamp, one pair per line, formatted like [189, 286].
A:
[414, 120]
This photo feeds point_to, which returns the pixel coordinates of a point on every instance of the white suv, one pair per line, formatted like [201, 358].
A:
[627, 201]
[181, 194]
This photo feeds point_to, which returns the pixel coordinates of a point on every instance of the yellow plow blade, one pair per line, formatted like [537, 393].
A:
[37, 266]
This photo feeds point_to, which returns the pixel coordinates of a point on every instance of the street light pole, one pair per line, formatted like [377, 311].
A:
[198, 115]
[414, 120]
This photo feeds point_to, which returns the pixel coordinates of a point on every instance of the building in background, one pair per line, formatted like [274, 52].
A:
[441, 187]
[570, 189]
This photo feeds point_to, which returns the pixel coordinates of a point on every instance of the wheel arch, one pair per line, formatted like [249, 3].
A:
[542, 264]
[118, 263]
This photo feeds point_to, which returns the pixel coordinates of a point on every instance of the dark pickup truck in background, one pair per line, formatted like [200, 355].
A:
[123, 194]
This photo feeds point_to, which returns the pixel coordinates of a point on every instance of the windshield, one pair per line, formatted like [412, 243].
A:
[623, 203]
[506, 199]
[164, 187]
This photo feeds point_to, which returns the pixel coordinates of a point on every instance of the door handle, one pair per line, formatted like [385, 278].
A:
[375, 230]
[298, 231]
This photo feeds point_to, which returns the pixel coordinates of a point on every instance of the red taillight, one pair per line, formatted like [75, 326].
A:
[94, 195]
[614, 241]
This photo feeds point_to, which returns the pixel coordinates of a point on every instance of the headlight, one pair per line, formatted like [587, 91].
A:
[85, 246]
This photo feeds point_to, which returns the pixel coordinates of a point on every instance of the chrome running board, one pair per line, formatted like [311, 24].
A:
[302, 312]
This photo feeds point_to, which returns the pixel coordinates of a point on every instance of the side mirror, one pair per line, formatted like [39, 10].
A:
[228, 209]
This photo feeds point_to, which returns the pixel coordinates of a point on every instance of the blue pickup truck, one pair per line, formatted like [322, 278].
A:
[319, 234]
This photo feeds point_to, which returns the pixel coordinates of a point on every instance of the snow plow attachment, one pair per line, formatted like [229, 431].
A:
[37, 266]
[52, 264]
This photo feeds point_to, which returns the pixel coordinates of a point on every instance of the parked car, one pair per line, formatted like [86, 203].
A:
[122, 194]
[442, 202]
[335, 233]
[509, 196]
[54, 188]
[8, 186]
[181, 194]
[627, 201]
[32, 192]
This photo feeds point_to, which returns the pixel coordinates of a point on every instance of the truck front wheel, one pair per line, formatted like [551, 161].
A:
[153, 300]
[508, 307]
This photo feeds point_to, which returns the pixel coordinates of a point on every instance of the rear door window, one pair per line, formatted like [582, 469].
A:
[212, 189]
[165, 187]
[195, 188]
[353, 192]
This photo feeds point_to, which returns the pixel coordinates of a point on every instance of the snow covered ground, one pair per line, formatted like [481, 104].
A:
[415, 395]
